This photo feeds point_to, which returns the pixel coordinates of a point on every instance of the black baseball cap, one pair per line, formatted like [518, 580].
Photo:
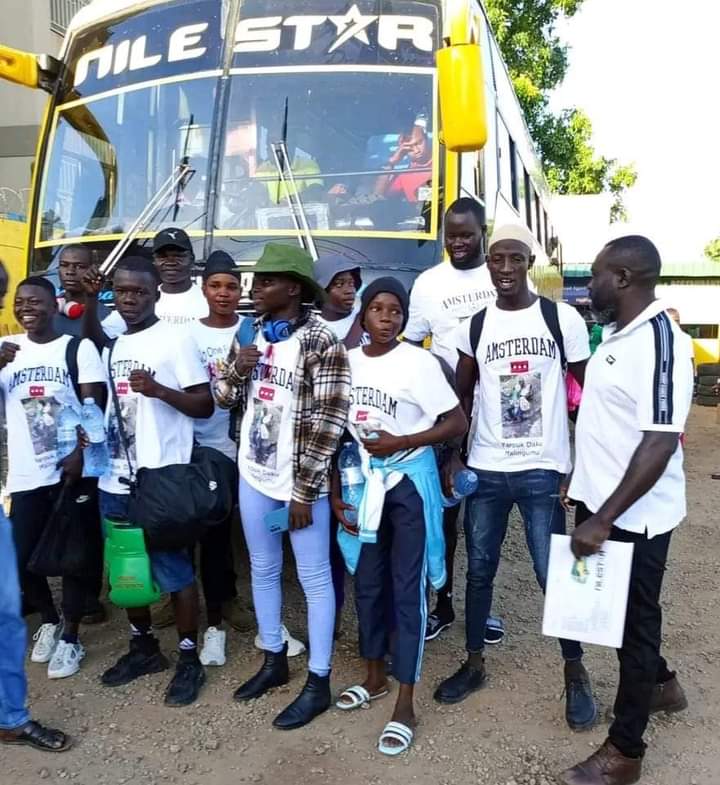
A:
[175, 237]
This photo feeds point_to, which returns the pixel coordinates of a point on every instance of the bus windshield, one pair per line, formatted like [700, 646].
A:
[109, 155]
[359, 144]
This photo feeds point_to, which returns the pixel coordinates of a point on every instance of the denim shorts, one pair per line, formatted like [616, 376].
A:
[172, 570]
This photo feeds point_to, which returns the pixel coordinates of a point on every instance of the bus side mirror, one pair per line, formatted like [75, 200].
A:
[19, 67]
[462, 97]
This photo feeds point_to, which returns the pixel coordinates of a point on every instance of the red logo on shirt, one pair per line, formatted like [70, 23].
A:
[267, 394]
[122, 388]
[37, 391]
[361, 417]
[522, 366]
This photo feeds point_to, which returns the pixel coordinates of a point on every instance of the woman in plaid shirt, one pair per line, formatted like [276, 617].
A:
[291, 389]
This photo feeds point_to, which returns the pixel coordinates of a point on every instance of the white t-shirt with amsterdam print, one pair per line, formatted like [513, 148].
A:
[520, 413]
[265, 457]
[443, 297]
[36, 385]
[401, 392]
[159, 435]
[213, 344]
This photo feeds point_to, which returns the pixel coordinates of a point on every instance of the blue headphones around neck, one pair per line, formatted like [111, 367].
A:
[277, 331]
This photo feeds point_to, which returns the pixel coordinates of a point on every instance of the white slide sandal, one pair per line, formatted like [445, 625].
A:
[358, 697]
[395, 731]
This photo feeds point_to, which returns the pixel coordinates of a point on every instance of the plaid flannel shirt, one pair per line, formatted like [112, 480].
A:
[321, 399]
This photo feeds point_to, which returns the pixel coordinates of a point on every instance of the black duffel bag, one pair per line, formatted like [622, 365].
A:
[175, 505]
[71, 542]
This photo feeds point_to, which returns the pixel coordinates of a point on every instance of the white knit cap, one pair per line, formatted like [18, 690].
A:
[517, 232]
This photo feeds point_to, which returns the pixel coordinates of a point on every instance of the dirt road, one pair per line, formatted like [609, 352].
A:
[510, 733]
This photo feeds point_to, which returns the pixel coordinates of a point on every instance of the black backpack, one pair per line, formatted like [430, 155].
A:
[549, 310]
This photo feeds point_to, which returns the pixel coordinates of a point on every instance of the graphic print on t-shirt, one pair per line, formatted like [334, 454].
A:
[128, 412]
[521, 405]
[265, 430]
[41, 415]
[265, 457]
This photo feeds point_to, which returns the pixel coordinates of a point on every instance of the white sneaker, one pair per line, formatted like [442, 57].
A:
[66, 660]
[45, 641]
[295, 646]
[213, 650]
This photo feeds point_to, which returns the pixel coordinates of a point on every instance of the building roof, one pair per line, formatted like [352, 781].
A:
[705, 268]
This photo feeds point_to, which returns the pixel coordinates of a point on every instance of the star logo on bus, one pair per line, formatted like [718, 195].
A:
[352, 25]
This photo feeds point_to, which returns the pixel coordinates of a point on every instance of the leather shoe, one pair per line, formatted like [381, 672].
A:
[314, 699]
[669, 697]
[606, 766]
[461, 684]
[274, 673]
[580, 708]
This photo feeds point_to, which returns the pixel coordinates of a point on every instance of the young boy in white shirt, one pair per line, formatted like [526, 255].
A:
[442, 298]
[213, 336]
[161, 386]
[38, 386]
[515, 351]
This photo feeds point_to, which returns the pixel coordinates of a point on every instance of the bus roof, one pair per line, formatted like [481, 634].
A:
[101, 10]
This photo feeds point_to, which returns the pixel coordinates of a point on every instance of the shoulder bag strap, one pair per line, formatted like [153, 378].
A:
[118, 412]
[71, 360]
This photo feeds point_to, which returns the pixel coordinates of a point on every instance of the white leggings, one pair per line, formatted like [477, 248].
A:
[311, 547]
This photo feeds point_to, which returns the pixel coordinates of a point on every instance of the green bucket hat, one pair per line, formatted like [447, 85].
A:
[293, 261]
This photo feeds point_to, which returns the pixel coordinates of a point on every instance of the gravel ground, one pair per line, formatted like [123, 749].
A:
[510, 733]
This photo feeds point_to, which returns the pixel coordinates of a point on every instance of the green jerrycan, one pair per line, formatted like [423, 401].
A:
[128, 565]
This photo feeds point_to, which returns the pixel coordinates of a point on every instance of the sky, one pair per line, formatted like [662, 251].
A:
[646, 72]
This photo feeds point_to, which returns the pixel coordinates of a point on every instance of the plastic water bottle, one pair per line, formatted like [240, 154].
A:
[67, 422]
[352, 479]
[465, 482]
[96, 457]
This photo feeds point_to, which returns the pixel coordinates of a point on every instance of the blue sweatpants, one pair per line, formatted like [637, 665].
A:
[395, 566]
[311, 547]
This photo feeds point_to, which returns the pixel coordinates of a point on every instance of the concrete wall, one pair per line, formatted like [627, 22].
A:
[25, 25]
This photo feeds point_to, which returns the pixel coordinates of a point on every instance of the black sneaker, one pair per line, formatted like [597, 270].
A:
[461, 684]
[438, 621]
[580, 708]
[139, 661]
[186, 683]
[494, 631]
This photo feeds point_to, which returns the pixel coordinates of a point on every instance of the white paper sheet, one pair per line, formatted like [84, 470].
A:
[586, 599]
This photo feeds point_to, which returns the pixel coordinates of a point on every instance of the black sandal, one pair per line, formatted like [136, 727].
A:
[38, 736]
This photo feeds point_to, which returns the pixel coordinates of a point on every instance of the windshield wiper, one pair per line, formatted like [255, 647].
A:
[289, 185]
[175, 184]
[179, 178]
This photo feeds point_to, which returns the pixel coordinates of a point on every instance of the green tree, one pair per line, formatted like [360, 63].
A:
[712, 250]
[537, 61]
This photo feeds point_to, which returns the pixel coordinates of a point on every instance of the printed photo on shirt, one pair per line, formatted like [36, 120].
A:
[521, 405]
[128, 412]
[41, 415]
[264, 433]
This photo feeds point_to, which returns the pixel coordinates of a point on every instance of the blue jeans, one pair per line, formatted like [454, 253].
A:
[311, 547]
[171, 570]
[13, 684]
[536, 493]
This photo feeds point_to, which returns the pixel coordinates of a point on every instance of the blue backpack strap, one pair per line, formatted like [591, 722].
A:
[550, 314]
[246, 331]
